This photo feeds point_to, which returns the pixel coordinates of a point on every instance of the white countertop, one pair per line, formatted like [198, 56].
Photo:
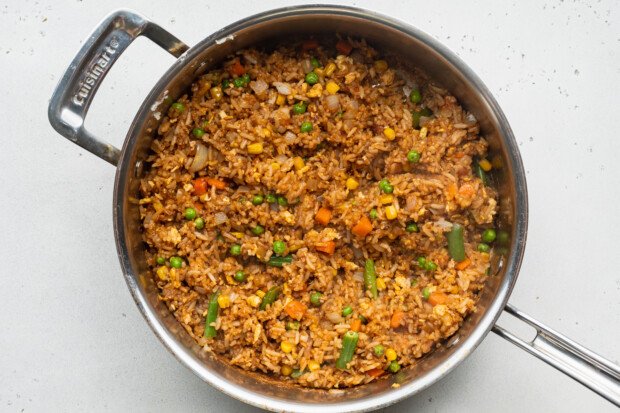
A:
[71, 338]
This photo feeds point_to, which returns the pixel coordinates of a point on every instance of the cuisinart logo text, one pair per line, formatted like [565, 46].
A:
[95, 73]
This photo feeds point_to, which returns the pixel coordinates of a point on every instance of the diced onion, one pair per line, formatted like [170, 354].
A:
[332, 102]
[290, 137]
[220, 218]
[306, 65]
[283, 88]
[259, 86]
[200, 159]
[335, 318]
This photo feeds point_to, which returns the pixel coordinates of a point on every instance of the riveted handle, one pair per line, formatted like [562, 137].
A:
[571, 358]
[76, 90]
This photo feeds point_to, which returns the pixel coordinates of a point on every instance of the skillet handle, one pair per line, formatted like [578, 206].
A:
[76, 90]
[588, 368]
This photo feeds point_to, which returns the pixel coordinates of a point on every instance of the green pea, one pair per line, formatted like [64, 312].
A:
[347, 311]
[270, 198]
[292, 325]
[190, 214]
[199, 133]
[246, 78]
[235, 249]
[257, 199]
[306, 127]
[426, 112]
[238, 82]
[413, 156]
[414, 282]
[503, 237]
[426, 292]
[176, 262]
[178, 106]
[379, 350]
[315, 298]
[422, 262]
[489, 235]
[315, 62]
[199, 223]
[282, 201]
[312, 78]
[161, 260]
[373, 213]
[299, 108]
[482, 247]
[412, 227]
[239, 276]
[279, 247]
[385, 186]
[415, 96]
[258, 230]
[394, 366]
[430, 266]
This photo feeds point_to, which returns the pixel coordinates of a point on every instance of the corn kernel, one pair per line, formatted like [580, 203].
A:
[316, 91]
[390, 354]
[275, 166]
[380, 66]
[313, 365]
[298, 163]
[389, 133]
[238, 234]
[352, 184]
[216, 92]
[423, 133]
[390, 212]
[266, 132]
[286, 370]
[253, 301]
[332, 88]
[162, 273]
[280, 100]
[223, 301]
[286, 346]
[330, 68]
[381, 284]
[386, 199]
[255, 148]
[485, 165]
[260, 293]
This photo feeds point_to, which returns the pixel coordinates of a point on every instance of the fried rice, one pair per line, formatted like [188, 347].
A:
[258, 153]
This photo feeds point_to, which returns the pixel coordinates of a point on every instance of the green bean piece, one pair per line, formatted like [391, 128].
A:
[456, 244]
[426, 292]
[214, 307]
[349, 342]
[270, 297]
[370, 278]
[481, 174]
[275, 261]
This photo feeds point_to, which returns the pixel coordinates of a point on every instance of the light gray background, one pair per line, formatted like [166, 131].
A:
[71, 338]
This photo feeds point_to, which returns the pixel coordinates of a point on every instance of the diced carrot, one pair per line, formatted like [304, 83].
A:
[323, 216]
[397, 318]
[459, 155]
[200, 186]
[236, 68]
[356, 325]
[295, 309]
[437, 298]
[463, 264]
[467, 191]
[344, 47]
[375, 372]
[309, 44]
[363, 227]
[218, 183]
[327, 247]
